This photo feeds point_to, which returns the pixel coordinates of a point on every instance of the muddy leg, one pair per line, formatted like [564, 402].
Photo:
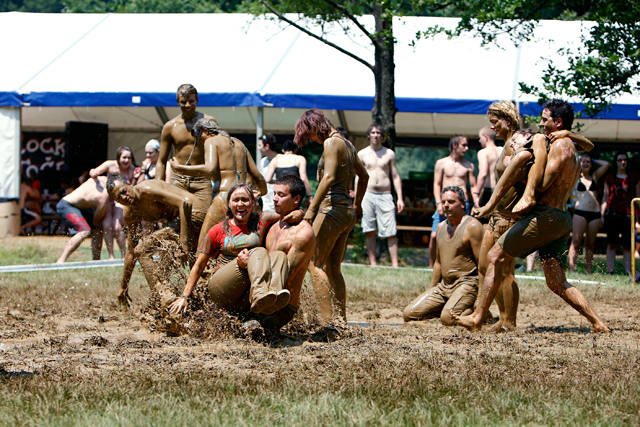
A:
[557, 282]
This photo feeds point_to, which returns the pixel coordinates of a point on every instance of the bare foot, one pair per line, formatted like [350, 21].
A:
[524, 204]
[502, 327]
[470, 322]
[597, 328]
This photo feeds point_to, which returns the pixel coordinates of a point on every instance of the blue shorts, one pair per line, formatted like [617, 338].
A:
[437, 219]
[79, 220]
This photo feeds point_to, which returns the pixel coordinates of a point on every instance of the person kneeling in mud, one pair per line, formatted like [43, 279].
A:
[154, 200]
[266, 281]
[454, 283]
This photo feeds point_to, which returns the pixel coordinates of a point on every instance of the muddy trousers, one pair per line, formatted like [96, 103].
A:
[259, 288]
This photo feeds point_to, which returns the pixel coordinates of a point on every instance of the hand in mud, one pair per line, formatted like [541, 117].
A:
[179, 306]
[184, 255]
[294, 217]
[243, 259]
[124, 298]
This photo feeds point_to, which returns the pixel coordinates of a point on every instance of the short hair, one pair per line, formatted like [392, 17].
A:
[270, 139]
[455, 141]
[184, 90]
[459, 192]
[121, 150]
[208, 124]
[154, 144]
[289, 145]
[312, 122]
[506, 110]
[254, 217]
[112, 181]
[560, 109]
[488, 132]
[295, 184]
[373, 126]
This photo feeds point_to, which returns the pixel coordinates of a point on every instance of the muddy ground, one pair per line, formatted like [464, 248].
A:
[71, 320]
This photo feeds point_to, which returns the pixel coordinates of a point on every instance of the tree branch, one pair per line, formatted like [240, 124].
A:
[353, 19]
[309, 33]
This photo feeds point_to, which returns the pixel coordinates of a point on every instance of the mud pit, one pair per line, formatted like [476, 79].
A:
[69, 321]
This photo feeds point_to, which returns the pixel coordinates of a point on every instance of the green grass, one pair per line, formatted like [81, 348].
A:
[76, 370]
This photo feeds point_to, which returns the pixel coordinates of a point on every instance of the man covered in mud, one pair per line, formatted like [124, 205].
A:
[83, 210]
[176, 134]
[226, 162]
[546, 228]
[454, 283]
[293, 243]
[154, 200]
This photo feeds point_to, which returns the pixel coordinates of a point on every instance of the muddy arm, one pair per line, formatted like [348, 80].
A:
[211, 161]
[166, 141]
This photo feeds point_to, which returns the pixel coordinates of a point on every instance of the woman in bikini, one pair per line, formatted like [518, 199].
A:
[124, 166]
[586, 218]
[332, 212]
[289, 163]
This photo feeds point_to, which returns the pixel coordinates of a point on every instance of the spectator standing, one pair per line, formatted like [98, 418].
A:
[619, 189]
[267, 147]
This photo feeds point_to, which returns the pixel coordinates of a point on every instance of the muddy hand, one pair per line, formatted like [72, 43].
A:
[124, 299]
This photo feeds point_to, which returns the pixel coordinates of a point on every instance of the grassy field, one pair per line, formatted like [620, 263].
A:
[70, 356]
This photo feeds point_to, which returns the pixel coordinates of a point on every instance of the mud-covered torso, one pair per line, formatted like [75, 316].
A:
[456, 257]
[345, 173]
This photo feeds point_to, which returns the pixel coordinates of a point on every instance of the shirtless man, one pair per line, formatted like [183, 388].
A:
[297, 241]
[487, 158]
[226, 161]
[378, 209]
[83, 210]
[454, 283]
[546, 228]
[452, 170]
[30, 200]
[154, 200]
[176, 133]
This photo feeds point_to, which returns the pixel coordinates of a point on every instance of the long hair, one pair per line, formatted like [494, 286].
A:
[615, 159]
[254, 217]
[506, 110]
[121, 150]
[312, 122]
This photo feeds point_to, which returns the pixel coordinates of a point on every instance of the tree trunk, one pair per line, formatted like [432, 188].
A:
[384, 104]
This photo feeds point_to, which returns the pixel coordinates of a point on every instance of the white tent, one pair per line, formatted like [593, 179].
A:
[123, 70]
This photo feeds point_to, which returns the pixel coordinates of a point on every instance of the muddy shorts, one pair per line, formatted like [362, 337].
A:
[199, 186]
[442, 298]
[79, 220]
[499, 224]
[379, 213]
[545, 229]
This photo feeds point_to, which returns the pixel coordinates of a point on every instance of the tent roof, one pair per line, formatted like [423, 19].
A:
[90, 61]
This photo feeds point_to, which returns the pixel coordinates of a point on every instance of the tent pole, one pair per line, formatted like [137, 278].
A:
[259, 132]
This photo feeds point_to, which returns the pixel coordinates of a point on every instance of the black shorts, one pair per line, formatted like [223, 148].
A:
[618, 228]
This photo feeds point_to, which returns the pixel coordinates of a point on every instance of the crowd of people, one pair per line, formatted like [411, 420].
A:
[265, 228]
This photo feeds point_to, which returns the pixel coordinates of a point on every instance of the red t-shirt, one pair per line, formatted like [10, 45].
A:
[218, 242]
[621, 192]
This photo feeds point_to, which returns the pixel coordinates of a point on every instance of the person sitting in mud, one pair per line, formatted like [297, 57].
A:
[84, 210]
[154, 200]
[260, 287]
[226, 162]
[454, 283]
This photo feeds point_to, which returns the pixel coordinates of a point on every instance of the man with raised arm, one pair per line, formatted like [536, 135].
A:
[453, 170]
[546, 228]
[176, 134]
[454, 282]
[154, 200]
[378, 208]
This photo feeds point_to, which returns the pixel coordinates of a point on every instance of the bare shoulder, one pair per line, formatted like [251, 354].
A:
[475, 227]
[304, 234]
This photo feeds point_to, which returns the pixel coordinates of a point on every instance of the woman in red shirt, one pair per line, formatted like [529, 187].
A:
[619, 190]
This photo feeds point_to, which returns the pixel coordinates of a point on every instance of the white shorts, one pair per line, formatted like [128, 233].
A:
[379, 213]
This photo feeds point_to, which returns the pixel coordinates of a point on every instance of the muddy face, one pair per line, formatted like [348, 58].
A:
[241, 205]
